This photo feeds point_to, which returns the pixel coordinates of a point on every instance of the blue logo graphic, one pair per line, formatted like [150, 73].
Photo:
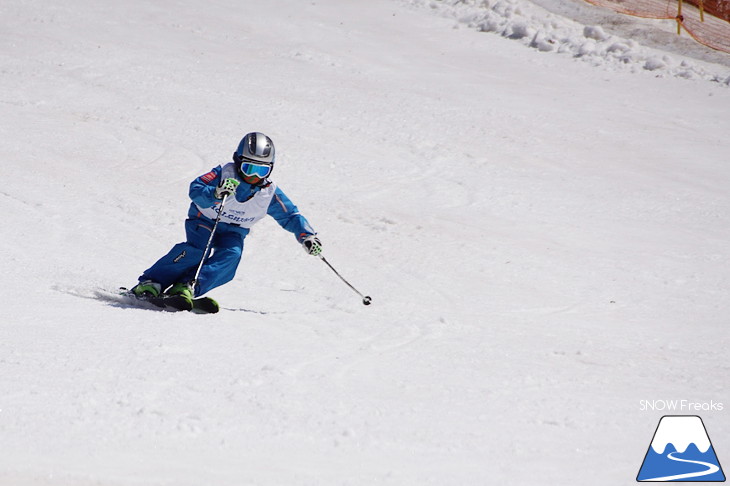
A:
[681, 451]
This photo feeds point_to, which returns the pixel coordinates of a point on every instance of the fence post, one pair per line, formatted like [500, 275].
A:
[679, 18]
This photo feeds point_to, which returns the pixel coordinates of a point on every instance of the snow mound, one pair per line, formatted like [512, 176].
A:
[536, 27]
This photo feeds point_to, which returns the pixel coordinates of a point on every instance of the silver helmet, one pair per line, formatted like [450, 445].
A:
[255, 147]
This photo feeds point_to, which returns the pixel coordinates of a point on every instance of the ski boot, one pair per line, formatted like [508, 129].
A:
[199, 305]
[146, 289]
[180, 296]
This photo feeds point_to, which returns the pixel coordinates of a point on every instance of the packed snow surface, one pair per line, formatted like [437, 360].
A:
[545, 241]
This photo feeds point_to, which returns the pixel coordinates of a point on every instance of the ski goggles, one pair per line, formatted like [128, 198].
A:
[251, 169]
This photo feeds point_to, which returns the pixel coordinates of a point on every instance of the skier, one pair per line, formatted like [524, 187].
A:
[251, 196]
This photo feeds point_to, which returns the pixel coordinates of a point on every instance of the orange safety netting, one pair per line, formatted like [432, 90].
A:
[718, 8]
[699, 23]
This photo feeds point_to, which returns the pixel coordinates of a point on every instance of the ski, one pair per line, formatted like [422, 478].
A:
[205, 305]
[175, 303]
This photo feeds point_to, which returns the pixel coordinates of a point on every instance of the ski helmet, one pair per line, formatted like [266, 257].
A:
[255, 155]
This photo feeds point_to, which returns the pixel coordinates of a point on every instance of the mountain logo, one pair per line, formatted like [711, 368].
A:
[681, 451]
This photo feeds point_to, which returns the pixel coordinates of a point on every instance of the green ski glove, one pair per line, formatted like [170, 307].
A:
[227, 187]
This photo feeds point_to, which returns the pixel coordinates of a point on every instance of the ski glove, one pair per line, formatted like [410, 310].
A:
[226, 188]
[312, 245]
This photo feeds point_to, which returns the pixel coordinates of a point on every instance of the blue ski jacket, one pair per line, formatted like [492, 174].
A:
[250, 204]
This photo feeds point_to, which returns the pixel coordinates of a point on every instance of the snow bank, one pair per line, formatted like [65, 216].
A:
[534, 26]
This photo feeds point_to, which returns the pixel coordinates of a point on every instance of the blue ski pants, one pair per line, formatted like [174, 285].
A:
[181, 262]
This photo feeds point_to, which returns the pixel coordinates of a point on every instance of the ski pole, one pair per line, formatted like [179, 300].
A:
[194, 282]
[366, 300]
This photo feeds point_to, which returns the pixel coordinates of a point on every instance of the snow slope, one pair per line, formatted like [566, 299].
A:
[545, 241]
